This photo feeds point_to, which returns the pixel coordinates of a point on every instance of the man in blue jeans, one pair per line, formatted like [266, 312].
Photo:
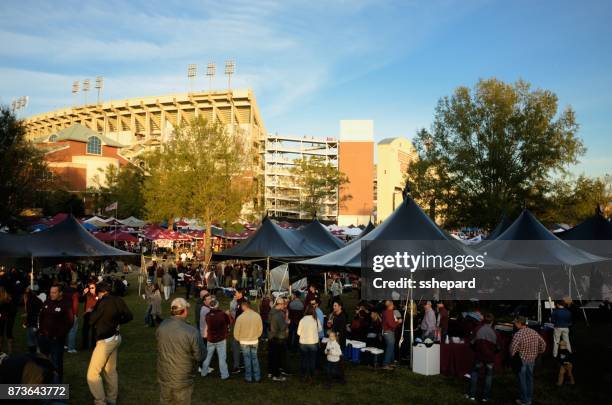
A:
[217, 325]
[55, 321]
[528, 344]
[485, 346]
[389, 324]
[247, 331]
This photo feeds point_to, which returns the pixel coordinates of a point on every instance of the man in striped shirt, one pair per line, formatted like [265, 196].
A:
[528, 344]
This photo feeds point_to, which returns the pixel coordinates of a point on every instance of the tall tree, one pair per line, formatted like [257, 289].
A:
[491, 147]
[572, 200]
[23, 171]
[320, 181]
[58, 200]
[122, 184]
[205, 172]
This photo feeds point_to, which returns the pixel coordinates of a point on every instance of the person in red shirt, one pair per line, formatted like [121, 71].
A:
[55, 321]
[90, 297]
[390, 322]
[72, 296]
[218, 323]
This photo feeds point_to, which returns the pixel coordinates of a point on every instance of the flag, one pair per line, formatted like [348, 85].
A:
[111, 207]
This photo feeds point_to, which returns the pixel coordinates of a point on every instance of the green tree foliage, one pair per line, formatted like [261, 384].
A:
[122, 184]
[56, 201]
[23, 171]
[490, 149]
[203, 172]
[320, 182]
[572, 200]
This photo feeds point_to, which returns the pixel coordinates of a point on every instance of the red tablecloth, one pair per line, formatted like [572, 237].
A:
[457, 359]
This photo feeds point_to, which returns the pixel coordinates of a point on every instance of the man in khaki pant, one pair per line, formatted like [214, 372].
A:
[102, 377]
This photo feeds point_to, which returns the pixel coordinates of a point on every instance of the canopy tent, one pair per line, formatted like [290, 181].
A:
[318, 234]
[116, 236]
[89, 227]
[503, 224]
[527, 228]
[67, 240]
[96, 221]
[279, 280]
[132, 222]
[527, 242]
[369, 228]
[593, 235]
[271, 241]
[112, 221]
[407, 223]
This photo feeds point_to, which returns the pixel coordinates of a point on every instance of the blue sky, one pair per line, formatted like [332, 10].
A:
[313, 63]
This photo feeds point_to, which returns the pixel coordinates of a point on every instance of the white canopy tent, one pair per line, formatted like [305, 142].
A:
[132, 222]
[279, 280]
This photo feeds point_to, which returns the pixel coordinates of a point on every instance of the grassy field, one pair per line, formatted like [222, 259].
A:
[138, 382]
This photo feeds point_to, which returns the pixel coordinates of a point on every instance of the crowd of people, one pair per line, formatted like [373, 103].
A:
[51, 307]
[195, 332]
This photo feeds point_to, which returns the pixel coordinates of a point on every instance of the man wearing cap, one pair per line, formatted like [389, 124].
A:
[178, 355]
[527, 344]
[217, 328]
[247, 331]
[107, 315]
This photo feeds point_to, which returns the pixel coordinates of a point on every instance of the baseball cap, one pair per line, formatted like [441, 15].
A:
[179, 304]
[521, 319]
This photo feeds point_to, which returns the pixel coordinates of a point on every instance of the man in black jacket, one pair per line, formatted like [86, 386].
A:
[108, 314]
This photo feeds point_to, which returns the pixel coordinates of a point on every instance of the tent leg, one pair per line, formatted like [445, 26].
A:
[31, 273]
[268, 281]
[325, 282]
[411, 331]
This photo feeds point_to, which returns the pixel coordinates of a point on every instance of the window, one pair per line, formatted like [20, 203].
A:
[53, 138]
[94, 146]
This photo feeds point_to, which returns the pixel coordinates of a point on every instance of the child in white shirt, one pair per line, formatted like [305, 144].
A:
[333, 352]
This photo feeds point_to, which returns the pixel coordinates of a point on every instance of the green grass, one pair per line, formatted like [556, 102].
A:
[138, 380]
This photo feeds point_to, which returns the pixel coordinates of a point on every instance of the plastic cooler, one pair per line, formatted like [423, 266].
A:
[356, 347]
[348, 350]
[426, 360]
[371, 355]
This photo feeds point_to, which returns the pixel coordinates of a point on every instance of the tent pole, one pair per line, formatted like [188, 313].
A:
[579, 297]
[569, 279]
[539, 307]
[31, 272]
[268, 275]
[325, 282]
[411, 331]
[140, 273]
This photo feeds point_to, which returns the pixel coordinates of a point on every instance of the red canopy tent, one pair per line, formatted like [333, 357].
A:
[119, 236]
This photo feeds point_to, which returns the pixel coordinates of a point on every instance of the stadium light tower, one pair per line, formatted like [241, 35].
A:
[75, 91]
[211, 71]
[19, 104]
[192, 71]
[85, 89]
[99, 86]
[230, 69]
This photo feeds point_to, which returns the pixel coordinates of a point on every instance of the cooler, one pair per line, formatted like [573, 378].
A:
[426, 360]
[356, 350]
[348, 350]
